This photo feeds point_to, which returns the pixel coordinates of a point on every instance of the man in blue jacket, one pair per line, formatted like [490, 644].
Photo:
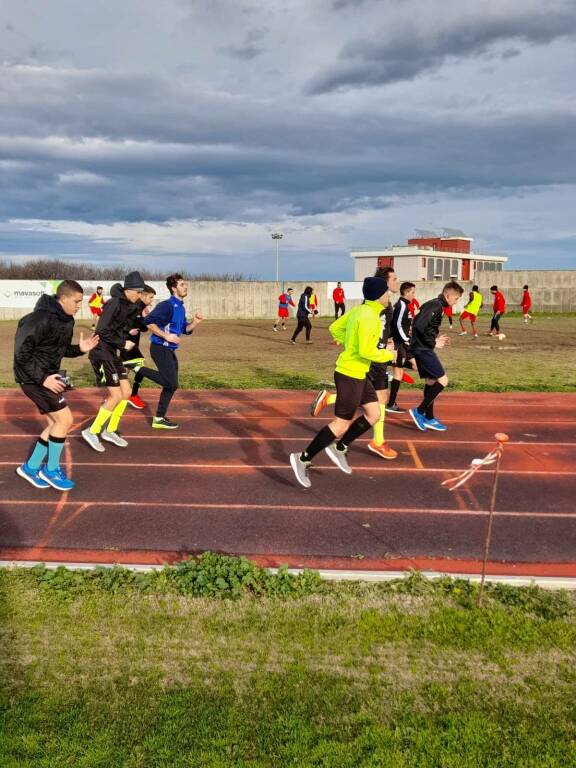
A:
[167, 322]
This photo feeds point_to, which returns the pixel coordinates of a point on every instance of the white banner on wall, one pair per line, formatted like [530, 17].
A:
[23, 294]
[352, 290]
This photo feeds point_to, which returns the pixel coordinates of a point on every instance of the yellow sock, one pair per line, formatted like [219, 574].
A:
[101, 418]
[331, 399]
[117, 415]
[379, 426]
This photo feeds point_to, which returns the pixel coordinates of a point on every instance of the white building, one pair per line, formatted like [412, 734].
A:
[428, 257]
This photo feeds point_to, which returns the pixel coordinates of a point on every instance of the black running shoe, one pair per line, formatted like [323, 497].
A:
[394, 409]
[161, 422]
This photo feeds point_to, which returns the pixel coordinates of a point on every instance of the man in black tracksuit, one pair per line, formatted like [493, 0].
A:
[303, 314]
[425, 340]
[401, 329]
[43, 338]
[119, 318]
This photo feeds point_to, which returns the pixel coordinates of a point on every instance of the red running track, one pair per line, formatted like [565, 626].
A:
[222, 483]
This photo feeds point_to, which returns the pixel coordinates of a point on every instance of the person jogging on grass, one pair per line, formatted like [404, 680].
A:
[96, 302]
[359, 331]
[471, 310]
[303, 314]
[167, 322]
[43, 338]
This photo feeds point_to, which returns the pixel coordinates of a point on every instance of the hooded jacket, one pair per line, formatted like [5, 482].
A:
[42, 339]
[119, 317]
[426, 324]
[359, 330]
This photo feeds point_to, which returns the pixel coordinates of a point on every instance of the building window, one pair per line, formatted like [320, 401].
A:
[423, 261]
[455, 266]
[439, 268]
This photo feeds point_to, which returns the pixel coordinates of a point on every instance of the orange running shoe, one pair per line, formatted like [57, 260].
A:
[319, 402]
[382, 450]
[136, 402]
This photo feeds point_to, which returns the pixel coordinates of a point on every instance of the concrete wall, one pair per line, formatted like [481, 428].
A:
[552, 291]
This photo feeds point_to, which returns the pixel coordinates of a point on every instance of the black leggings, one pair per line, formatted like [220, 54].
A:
[495, 324]
[303, 322]
[166, 375]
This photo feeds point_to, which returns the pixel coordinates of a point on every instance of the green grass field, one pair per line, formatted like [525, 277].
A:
[248, 354]
[399, 675]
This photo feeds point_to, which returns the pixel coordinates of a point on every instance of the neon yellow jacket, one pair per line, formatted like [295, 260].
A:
[359, 331]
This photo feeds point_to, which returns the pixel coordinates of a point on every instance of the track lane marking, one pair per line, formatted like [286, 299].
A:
[414, 454]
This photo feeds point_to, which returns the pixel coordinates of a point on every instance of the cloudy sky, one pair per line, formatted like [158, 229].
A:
[183, 132]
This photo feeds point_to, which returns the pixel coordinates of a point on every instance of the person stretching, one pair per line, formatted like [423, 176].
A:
[167, 322]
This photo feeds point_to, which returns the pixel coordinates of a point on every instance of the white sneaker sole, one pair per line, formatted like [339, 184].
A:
[20, 471]
[53, 484]
[422, 429]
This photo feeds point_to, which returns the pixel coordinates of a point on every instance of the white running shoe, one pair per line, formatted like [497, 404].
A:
[114, 438]
[339, 458]
[93, 440]
[300, 469]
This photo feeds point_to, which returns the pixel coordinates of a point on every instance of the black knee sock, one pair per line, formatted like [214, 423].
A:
[322, 440]
[394, 387]
[431, 392]
[354, 431]
[136, 385]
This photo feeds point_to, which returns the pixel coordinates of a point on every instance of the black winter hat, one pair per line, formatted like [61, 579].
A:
[134, 282]
[374, 287]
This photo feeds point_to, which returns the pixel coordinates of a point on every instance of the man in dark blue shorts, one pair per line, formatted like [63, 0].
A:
[425, 340]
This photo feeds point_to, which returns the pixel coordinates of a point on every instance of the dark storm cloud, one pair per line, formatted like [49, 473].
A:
[406, 52]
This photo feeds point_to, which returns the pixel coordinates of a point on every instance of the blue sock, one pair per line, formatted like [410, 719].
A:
[38, 454]
[55, 447]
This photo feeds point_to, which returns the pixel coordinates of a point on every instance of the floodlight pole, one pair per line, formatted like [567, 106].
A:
[277, 236]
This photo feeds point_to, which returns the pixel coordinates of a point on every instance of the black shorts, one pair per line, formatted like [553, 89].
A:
[378, 375]
[429, 366]
[43, 399]
[351, 394]
[403, 354]
[109, 373]
[134, 354]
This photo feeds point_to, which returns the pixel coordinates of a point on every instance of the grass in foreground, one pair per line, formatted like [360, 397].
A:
[243, 354]
[110, 669]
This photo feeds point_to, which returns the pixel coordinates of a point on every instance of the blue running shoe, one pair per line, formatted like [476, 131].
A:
[435, 424]
[419, 419]
[57, 479]
[32, 475]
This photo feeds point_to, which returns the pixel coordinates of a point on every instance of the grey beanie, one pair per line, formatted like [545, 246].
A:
[134, 282]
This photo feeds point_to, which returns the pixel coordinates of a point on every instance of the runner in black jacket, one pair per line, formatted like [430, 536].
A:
[43, 338]
[401, 329]
[119, 318]
[425, 339]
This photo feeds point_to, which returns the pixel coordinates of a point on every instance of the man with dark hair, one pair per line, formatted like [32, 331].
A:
[339, 300]
[96, 302]
[358, 331]
[526, 304]
[498, 308]
[425, 340]
[118, 319]
[134, 357]
[168, 322]
[401, 329]
[285, 300]
[303, 314]
[471, 310]
[43, 338]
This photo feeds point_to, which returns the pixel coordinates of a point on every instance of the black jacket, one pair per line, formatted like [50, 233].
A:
[43, 338]
[140, 327]
[386, 324]
[426, 324]
[119, 317]
[303, 307]
[401, 322]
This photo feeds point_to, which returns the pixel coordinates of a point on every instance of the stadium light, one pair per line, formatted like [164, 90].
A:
[277, 236]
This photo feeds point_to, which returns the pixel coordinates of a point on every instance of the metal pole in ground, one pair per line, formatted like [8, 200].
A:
[502, 438]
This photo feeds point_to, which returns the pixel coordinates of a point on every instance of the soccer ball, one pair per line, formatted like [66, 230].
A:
[501, 336]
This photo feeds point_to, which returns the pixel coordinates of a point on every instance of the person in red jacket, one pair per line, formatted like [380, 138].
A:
[414, 307]
[526, 304]
[339, 300]
[498, 307]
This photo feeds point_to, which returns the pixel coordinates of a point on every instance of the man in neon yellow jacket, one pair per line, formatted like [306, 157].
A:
[359, 331]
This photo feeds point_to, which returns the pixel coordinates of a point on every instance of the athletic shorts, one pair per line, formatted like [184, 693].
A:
[283, 312]
[109, 373]
[134, 354]
[466, 314]
[351, 394]
[43, 399]
[378, 375]
[403, 354]
[428, 363]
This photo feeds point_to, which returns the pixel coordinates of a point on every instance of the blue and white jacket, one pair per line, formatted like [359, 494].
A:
[170, 316]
